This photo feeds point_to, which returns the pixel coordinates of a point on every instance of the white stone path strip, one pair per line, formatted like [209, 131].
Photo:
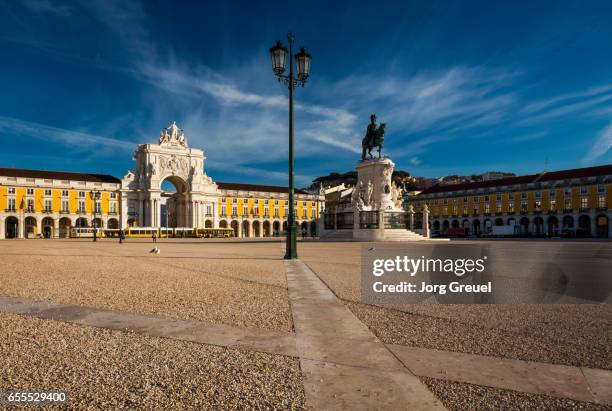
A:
[339, 354]
[344, 365]
[254, 339]
[577, 383]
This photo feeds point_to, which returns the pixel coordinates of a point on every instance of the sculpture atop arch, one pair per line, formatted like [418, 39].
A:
[173, 136]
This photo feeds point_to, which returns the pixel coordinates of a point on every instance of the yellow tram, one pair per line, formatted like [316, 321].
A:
[178, 232]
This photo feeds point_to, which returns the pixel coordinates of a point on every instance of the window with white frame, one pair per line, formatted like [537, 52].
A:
[30, 191]
[552, 194]
[30, 205]
[601, 188]
[113, 195]
[584, 202]
[65, 206]
[81, 206]
[97, 207]
[64, 193]
[583, 191]
[48, 205]
[112, 207]
[234, 210]
[47, 192]
[11, 205]
[601, 201]
[11, 190]
[81, 194]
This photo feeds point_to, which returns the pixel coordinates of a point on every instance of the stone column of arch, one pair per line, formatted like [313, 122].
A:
[2, 227]
[123, 210]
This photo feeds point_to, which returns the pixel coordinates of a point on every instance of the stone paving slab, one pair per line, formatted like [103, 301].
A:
[600, 383]
[524, 376]
[271, 342]
[331, 386]
[358, 372]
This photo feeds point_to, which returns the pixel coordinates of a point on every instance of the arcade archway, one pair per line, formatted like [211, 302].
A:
[48, 227]
[12, 227]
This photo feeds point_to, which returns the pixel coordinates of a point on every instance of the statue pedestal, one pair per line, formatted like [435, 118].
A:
[376, 173]
[374, 197]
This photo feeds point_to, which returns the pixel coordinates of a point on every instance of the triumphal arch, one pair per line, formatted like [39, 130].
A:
[142, 196]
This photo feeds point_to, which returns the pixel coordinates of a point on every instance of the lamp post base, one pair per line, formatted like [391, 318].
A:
[291, 252]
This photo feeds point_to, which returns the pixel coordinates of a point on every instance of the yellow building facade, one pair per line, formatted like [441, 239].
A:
[262, 211]
[47, 204]
[567, 202]
[37, 203]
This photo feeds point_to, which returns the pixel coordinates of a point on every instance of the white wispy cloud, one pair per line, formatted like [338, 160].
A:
[68, 138]
[415, 161]
[567, 110]
[602, 144]
[563, 99]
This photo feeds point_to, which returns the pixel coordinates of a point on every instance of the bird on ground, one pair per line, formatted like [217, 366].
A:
[155, 251]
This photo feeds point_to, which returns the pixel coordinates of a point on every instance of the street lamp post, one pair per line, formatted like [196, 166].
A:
[302, 62]
[95, 196]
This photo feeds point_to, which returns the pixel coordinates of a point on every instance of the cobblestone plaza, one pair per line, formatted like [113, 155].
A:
[228, 323]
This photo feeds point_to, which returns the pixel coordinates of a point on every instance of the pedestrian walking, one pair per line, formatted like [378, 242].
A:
[120, 236]
[154, 236]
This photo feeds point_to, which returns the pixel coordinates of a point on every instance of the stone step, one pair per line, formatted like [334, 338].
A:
[403, 235]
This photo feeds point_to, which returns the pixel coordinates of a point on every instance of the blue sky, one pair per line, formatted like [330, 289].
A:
[464, 87]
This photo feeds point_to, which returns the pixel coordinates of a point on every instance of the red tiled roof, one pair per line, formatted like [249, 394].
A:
[256, 187]
[58, 175]
[526, 179]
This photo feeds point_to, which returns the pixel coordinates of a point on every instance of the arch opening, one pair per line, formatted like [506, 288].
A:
[173, 204]
[11, 227]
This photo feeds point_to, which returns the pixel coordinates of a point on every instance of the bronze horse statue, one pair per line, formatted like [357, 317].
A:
[370, 141]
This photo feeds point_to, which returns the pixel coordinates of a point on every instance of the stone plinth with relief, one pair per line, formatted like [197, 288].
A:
[377, 202]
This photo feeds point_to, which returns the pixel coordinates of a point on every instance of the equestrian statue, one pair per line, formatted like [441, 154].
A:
[375, 137]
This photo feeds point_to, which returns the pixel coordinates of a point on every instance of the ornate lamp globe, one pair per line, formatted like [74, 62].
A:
[279, 58]
[302, 60]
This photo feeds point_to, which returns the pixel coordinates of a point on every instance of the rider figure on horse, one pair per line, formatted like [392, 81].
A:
[374, 137]
[370, 137]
